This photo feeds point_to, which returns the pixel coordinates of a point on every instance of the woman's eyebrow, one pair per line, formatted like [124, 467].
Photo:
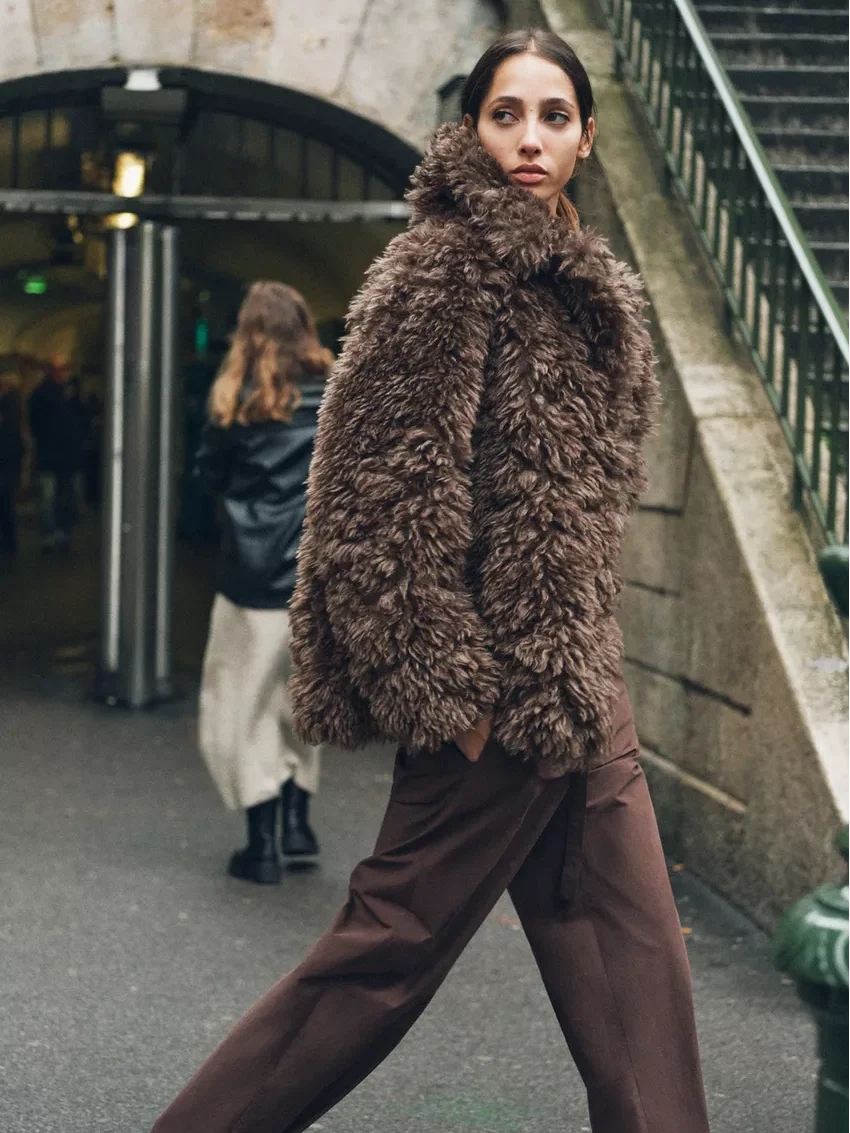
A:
[508, 99]
[547, 103]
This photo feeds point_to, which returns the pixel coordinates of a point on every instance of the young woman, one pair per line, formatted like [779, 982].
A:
[256, 453]
[478, 453]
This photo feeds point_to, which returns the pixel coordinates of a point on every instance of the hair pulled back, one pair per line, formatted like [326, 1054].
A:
[275, 343]
[549, 47]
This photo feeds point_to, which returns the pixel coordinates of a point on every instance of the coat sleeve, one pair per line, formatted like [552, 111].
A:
[384, 626]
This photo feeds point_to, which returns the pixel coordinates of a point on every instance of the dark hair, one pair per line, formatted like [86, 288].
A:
[548, 46]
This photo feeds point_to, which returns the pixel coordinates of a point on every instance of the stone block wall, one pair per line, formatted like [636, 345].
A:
[382, 59]
[735, 659]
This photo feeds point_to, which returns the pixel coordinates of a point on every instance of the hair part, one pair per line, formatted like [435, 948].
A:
[553, 49]
[274, 345]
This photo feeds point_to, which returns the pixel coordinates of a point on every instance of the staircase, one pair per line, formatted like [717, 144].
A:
[788, 62]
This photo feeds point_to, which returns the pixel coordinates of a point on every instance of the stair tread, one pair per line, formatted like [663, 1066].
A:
[834, 206]
[811, 168]
[766, 36]
[751, 11]
[798, 68]
[794, 132]
[796, 100]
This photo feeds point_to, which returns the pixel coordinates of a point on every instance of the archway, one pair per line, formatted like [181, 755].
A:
[259, 180]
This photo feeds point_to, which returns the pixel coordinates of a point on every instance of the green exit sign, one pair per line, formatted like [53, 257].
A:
[35, 285]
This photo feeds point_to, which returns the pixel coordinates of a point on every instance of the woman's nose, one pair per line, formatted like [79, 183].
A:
[530, 145]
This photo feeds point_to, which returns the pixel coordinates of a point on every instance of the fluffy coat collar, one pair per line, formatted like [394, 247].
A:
[459, 180]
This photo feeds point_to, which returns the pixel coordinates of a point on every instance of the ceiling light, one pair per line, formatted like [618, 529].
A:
[129, 179]
[143, 78]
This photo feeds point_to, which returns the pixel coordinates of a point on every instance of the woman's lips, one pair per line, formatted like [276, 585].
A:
[528, 178]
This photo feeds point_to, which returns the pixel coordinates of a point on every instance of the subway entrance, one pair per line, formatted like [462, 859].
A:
[124, 342]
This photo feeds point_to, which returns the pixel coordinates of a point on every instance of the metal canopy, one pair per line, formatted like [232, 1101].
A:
[150, 207]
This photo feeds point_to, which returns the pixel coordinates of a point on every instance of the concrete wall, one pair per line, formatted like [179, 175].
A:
[736, 661]
[382, 59]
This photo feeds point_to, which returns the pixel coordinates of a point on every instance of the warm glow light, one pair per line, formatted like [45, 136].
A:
[122, 220]
[129, 179]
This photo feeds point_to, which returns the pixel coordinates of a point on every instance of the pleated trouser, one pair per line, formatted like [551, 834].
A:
[582, 860]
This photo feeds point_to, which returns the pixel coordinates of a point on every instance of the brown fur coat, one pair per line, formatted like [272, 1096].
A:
[479, 450]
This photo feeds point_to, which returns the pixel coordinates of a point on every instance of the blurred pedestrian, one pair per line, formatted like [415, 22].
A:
[255, 452]
[11, 458]
[93, 449]
[78, 439]
[54, 427]
[478, 453]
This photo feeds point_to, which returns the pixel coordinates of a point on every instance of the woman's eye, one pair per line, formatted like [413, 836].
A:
[557, 116]
[503, 116]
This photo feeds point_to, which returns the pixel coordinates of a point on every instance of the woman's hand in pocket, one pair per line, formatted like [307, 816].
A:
[472, 743]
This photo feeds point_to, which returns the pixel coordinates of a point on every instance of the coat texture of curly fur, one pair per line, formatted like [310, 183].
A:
[479, 451]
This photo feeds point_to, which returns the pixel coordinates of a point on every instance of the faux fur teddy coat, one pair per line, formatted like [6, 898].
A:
[479, 450]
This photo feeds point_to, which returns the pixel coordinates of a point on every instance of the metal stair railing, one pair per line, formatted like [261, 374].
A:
[774, 289]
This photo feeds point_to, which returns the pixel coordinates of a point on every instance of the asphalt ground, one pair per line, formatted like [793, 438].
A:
[127, 953]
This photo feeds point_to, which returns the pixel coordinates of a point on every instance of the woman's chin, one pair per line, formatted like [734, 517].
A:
[541, 191]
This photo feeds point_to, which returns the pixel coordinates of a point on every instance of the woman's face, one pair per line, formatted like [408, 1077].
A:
[530, 123]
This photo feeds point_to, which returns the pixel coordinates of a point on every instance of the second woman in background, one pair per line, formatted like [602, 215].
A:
[255, 453]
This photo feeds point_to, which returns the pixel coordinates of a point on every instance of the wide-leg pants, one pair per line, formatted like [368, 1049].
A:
[583, 862]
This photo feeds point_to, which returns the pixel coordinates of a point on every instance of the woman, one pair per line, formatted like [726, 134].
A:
[478, 453]
[256, 453]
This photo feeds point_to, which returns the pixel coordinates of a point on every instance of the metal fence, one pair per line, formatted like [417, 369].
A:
[774, 289]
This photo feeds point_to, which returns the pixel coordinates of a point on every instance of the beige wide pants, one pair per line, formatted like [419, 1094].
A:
[245, 727]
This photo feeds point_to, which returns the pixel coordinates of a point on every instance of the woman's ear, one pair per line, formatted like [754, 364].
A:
[467, 121]
[586, 143]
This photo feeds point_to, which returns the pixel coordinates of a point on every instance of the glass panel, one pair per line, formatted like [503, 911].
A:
[6, 132]
[350, 180]
[32, 146]
[319, 165]
[287, 163]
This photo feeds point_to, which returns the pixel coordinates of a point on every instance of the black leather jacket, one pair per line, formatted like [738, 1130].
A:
[261, 471]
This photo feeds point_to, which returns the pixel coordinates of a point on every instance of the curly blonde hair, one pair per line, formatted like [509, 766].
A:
[274, 344]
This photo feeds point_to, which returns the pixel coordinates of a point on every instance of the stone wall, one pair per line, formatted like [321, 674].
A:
[382, 59]
[735, 658]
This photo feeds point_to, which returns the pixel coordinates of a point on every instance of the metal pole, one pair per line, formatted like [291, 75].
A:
[139, 605]
[113, 460]
[168, 383]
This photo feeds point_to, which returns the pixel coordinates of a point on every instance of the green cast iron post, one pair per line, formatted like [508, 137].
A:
[811, 944]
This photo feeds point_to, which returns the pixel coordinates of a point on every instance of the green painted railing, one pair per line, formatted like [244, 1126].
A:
[774, 289]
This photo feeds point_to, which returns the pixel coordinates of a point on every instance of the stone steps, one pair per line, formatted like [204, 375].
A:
[803, 81]
[789, 64]
[794, 49]
[824, 219]
[786, 6]
[795, 113]
[791, 146]
[813, 182]
[719, 19]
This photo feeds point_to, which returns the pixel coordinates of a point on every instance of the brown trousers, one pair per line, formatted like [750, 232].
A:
[582, 860]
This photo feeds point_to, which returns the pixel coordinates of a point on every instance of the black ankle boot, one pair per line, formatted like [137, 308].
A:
[298, 839]
[258, 861]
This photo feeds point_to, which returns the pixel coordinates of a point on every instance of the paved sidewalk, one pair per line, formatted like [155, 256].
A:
[127, 953]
